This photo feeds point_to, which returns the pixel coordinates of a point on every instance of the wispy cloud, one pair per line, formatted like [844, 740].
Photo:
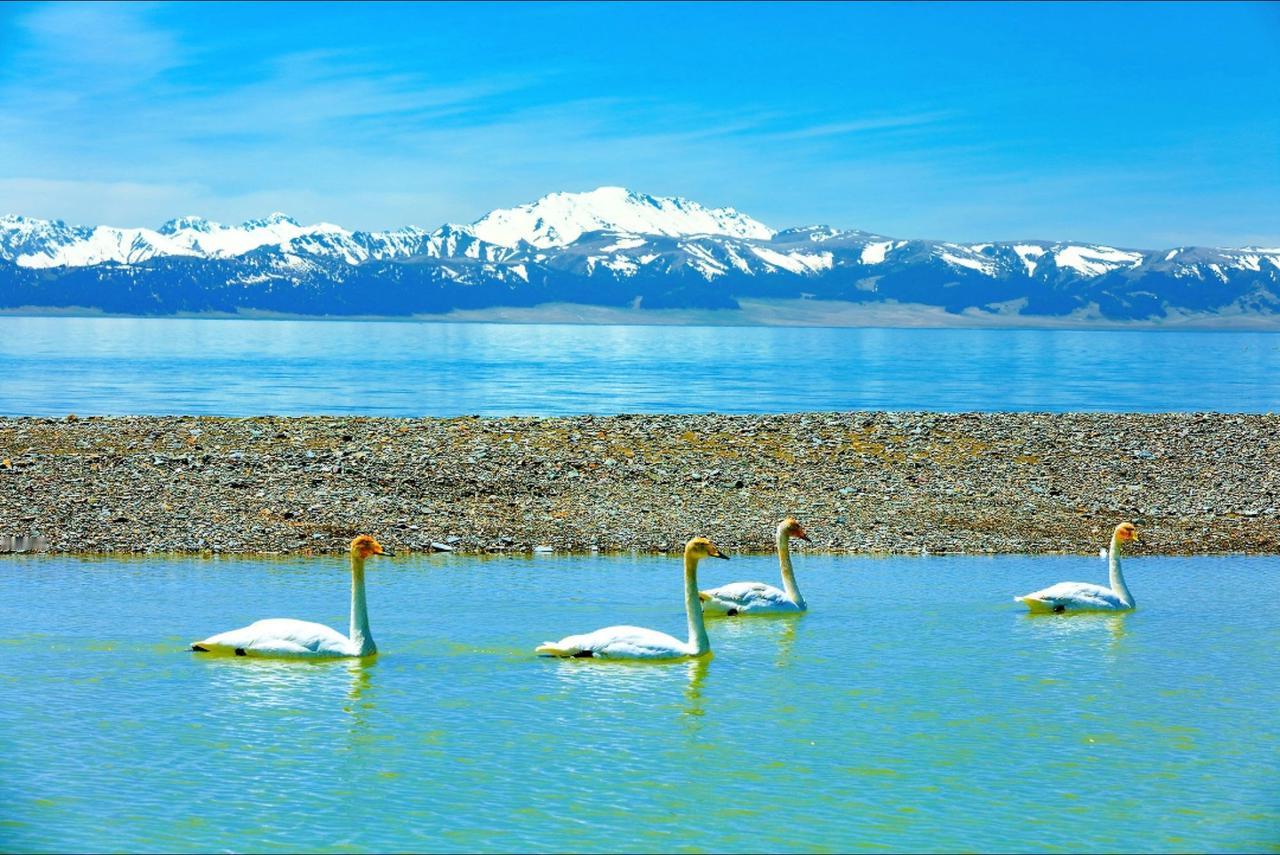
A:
[81, 38]
[122, 202]
[341, 124]
[862, 126]
[136, 112]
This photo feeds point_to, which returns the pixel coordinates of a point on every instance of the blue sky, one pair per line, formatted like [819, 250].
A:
[1142, 125]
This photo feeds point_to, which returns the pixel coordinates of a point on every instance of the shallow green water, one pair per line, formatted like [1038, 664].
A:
[916, 707]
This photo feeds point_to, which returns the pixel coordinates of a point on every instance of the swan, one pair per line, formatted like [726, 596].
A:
[633, 642]
[301, 639]
[757, 598]
[1083, 596]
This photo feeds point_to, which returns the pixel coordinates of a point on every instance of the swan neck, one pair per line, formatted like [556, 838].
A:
[361, 638]
[699, 644]
[1117, 576]
[788, 575]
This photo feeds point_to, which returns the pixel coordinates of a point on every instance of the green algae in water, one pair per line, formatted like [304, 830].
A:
[915, 707]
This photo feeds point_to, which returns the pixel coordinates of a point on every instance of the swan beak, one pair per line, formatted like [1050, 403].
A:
[386, 552]
[721, 555]
[803, 535]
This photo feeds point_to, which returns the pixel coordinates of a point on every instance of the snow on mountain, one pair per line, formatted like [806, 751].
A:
[875, 252]
[999, 259]
[1029, 253]
[713, 242]
[795, 262]
[450, 241]
[36, 243]
[214, 240]
[59, 245]
[965, 257]
[31, 242]
[610, 247]
[1095, 260]
[559, 219]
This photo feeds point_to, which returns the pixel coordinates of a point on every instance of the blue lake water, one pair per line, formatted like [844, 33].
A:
[116, 366]
[916, 707]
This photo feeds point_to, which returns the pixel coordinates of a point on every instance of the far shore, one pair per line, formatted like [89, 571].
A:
[774, 313]
[865, 482]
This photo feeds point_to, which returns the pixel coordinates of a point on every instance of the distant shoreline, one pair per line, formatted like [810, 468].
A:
[768, 313]
[865, 482]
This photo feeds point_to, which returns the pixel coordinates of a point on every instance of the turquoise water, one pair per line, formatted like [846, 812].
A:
[916, 707]
[116, 366]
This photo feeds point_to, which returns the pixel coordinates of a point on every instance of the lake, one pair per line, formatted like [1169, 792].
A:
[123, 366]
[916, 707]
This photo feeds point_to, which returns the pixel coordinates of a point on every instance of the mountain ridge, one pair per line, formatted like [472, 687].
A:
[608, 247]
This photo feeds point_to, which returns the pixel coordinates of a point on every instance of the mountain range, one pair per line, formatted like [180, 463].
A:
[611, 247]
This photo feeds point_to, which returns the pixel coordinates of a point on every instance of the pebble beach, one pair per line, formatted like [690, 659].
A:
[867, 482]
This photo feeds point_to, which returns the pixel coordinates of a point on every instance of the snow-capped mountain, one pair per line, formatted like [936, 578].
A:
[610, 247]
[559, 219]
[44, 243]
[555, 220]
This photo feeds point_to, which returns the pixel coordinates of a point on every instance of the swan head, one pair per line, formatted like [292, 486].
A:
[791, 528]
[364, 546]
[1126, 531]
[700, 547]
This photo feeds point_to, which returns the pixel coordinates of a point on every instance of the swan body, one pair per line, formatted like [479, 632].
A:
[638, 643]
[302, 639]
[1067, 597]
[748, 598]
[757, 598]
[276, 637]
[1074, 597]
[620, 642]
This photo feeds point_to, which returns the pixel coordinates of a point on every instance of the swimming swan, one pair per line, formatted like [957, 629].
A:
[1084, 597]
[301, 639]
[633, 642]
[757, 598]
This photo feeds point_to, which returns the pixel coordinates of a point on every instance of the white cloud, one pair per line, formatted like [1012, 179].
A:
[124, 203]
[125, 114]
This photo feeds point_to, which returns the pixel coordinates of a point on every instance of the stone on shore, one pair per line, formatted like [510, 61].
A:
[860, 481]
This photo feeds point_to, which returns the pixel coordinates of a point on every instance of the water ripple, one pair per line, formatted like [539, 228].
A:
[915, 708]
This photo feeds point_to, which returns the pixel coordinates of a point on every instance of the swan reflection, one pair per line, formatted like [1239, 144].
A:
[283, 684]
[697, 672]
[1102, 631]
[615, 688]
[761, 633]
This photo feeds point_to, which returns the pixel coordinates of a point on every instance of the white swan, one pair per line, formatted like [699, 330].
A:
[1084, 597]
[757, 598]
[633, 642]
[301, 639]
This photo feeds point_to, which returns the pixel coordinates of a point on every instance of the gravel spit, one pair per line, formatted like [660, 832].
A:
[860, 482]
